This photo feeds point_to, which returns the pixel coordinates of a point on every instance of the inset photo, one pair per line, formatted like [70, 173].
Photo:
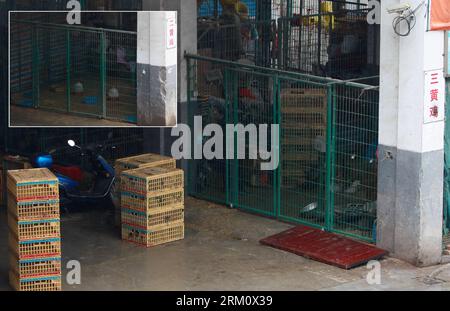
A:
[92, 69]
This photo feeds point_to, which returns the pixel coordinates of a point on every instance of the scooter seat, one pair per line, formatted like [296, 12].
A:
[72, 172]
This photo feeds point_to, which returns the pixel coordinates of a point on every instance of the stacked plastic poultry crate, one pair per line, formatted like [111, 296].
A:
[152, 205]
[140, 161]
[34, 223]
[304, 121]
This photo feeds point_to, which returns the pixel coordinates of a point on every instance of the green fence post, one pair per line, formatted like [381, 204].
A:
[227, 142]
[300, 37]
[290, 8]
[68, 64]
[280, 137]
[189, 118]
[103, 74]
[319, 35]
[280, 36]
[235, 92]
[329, 209]
[276, 172]
[35, 65]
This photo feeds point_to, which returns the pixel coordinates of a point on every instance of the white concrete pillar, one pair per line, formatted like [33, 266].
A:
[157, 68]
[410, 198]
[157, 140]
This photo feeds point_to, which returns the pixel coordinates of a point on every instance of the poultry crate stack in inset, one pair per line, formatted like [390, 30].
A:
[152, 205]
[140, 161]
[34, 223]
[304, 122]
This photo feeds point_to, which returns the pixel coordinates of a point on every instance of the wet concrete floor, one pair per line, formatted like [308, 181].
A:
[221, 251]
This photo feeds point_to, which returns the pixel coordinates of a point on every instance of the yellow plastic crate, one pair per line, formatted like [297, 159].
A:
[35, 229]
[43, 284]
[38, 248]
[32, 185]
[303, 99]
[153, 218]
[34, 210]
[303, 118]
[146, 203]
[143, 160]
[149, 238]
[139, 161]
[35, 268]
[151, 180]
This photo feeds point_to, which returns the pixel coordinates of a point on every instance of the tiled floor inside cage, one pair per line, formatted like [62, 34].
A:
[221, 251]
[38, 117]
[54, 99]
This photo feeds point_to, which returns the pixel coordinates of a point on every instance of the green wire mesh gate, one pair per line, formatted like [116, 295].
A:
[327, 175]
[74, 69]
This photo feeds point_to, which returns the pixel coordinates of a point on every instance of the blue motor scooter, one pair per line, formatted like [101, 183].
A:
[101, 189]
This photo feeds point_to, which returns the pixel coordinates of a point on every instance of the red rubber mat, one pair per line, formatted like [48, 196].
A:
[325, 247]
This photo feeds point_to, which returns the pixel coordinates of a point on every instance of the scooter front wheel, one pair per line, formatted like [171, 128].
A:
[115, 201]
[115, 195]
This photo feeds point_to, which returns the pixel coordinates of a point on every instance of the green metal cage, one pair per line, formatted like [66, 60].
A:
[328, 141]
[73, 69]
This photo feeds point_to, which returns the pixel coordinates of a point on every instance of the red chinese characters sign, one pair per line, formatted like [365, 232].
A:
[171, 34]
[434, 101]
[439, 15]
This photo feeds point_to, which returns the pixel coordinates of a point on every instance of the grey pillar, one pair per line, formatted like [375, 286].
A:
[411, 163]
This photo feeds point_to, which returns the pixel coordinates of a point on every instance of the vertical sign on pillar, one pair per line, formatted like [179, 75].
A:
[434, 103]
[171, 33]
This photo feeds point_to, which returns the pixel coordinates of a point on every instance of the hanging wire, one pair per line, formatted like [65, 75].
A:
[407, 18]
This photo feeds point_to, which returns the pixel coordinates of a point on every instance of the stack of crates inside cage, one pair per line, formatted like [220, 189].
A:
[152, 205]
[140, 161]
[304, 124]
[34, 224]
